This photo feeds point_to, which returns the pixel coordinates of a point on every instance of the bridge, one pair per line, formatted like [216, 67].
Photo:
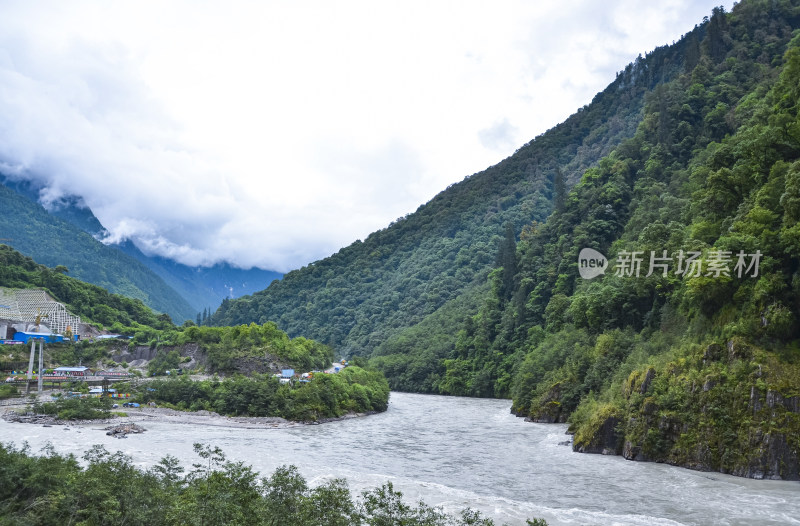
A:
[53, 380]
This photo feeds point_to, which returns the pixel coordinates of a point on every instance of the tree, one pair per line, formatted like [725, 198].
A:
[507, 259]
[559, 191]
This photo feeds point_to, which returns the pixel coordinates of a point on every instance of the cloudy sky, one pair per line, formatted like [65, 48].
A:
[271, 134]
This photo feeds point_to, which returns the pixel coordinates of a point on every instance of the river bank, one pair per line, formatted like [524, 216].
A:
[144, 415]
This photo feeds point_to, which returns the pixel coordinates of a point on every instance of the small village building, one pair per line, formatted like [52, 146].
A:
[100, 390]
[73, 371]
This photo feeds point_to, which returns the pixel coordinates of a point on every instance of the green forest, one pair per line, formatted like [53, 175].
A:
[685, 350]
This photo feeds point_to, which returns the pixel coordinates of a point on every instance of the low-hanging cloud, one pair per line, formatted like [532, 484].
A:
[270, 135]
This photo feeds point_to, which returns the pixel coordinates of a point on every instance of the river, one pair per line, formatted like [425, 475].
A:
[459, 452]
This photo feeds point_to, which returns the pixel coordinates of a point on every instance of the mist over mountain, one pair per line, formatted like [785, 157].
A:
[164, 285]
[26, 226]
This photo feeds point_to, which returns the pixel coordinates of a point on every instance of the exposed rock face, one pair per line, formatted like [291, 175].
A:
[606, 441]
[733, 415]
[258, 365]
[713, 353]
[139, 352]
[771, 457]
[648, 377]
[548, 410]
[633, 452]
[247, 365]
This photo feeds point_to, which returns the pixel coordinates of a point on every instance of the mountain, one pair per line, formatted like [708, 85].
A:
[52, 241]
[363, 298]
[683, 346]
[204, 287]
[200, 287]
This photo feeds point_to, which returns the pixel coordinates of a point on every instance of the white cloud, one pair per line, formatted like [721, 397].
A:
[273, 133]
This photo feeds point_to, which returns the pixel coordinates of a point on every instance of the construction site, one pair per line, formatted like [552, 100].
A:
[27, 314]
[32, 316]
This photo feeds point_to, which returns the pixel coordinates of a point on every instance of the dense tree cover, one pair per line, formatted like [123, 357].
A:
[52, 241]
[686, 93]
[92, 303]
[696, 365]
[111, 489]
[225, 347]
[373, 290]
[325, 396]
[412, 359]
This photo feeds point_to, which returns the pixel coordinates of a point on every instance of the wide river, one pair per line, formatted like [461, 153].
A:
[462, 452]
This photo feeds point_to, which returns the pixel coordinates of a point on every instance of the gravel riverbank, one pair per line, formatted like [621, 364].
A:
[143, 415]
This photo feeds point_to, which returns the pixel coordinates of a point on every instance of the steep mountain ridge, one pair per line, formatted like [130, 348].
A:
[686, 349]
[364, 297]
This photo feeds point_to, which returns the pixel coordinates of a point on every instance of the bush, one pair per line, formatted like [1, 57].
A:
[76, 408]
[7, 391]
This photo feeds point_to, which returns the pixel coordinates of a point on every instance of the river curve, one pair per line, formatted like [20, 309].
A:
[458, 452]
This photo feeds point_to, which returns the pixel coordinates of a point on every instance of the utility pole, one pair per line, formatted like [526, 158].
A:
[30, 362]
[40, 385]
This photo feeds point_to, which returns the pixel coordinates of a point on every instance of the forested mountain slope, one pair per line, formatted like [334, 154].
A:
[30, 229]
[364, 297]
[92, 303]
[692, 355]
